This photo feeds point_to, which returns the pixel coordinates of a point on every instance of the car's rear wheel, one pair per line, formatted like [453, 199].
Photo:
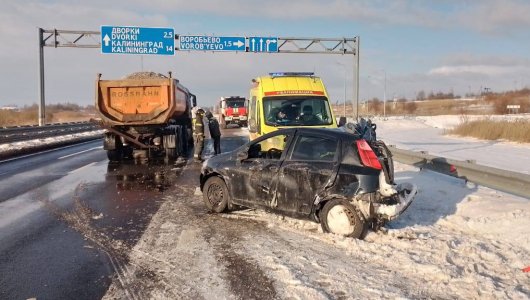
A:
[340, 217]
[215, 194]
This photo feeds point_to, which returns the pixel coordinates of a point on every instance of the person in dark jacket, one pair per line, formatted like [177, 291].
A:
[198, 134]
[215, 132]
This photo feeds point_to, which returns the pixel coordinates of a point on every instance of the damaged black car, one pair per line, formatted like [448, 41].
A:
[339, 178]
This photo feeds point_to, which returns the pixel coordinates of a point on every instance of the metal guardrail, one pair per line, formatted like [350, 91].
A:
[36, 127]
[503, 180]
[24, 133]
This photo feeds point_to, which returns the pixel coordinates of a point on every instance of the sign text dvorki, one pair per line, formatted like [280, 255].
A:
[137, 40]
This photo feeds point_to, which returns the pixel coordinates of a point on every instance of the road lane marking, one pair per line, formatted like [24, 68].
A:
[69, 155]
[85, 166]
[45, 151]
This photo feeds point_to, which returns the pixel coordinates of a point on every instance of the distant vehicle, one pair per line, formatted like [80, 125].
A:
[233, 110]
[148, 112]
[288, 99]
[331, 176]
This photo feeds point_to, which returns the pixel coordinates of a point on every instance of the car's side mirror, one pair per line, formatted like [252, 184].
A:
[342, 121]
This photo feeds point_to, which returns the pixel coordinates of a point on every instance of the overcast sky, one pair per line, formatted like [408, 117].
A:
[443, 45]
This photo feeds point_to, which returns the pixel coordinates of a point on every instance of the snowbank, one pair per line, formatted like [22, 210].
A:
[427, 134]
[24, 147]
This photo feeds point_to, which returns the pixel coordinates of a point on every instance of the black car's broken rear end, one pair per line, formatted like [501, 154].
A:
[343, 179]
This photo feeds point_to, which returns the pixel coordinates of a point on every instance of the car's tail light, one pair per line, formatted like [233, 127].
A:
[368, 157]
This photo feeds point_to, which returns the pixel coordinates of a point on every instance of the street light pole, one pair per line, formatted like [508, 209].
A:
[344, 104]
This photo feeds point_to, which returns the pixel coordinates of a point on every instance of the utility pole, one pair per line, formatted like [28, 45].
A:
[384, 97]
[384, 91]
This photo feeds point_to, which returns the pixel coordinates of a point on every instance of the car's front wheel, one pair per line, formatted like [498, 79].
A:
[340, 217]
[215, 194]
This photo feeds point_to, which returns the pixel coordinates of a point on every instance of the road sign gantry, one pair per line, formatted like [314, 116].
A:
[161, 41]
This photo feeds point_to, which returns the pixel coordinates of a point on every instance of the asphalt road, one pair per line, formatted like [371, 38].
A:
[68, 218]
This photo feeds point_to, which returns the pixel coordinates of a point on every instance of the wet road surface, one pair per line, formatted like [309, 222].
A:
[68, 219]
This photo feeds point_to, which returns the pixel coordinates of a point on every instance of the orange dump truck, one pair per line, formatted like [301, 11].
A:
[145, 113]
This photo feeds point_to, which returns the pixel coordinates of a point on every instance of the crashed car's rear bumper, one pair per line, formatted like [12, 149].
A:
[405, 193]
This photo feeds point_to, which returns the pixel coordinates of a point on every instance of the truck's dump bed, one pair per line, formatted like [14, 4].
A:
[140, 101]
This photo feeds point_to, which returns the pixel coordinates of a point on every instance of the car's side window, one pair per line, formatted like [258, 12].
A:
[314, 148]
[271, 148]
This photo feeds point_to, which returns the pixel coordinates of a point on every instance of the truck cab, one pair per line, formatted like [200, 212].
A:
[233, 110]
[288, 99]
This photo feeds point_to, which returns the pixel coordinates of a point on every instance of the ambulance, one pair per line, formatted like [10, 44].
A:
[288, 99]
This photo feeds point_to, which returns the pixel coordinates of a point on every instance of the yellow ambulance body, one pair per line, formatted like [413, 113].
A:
[288, 99]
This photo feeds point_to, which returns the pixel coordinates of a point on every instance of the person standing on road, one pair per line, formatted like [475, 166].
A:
[198, 134]
[215, 132]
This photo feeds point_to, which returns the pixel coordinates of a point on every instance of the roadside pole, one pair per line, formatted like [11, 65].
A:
[356, 79]
[42, 106]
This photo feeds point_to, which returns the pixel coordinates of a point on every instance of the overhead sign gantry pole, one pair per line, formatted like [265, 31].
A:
[60, 38]
[158, 41]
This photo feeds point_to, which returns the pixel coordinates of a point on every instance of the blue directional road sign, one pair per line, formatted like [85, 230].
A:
[262, 44]
[211, 43]
[137, 40]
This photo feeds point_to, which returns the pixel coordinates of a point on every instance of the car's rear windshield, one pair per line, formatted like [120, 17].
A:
[296, 111]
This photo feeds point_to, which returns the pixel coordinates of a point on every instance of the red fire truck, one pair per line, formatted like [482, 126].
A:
[233, 111]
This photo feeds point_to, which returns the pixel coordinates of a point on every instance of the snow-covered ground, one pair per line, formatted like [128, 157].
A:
[454, 241]
[427, 134]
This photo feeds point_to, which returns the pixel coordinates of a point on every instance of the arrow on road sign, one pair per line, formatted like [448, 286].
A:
[106, 39]
[239, 44]
[270, 42]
